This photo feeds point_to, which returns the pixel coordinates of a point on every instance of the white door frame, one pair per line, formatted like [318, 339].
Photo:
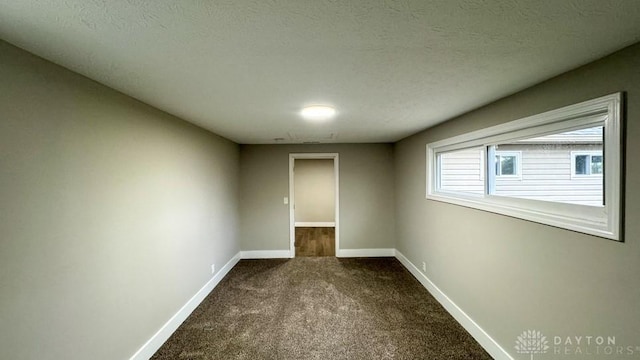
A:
[336, 173]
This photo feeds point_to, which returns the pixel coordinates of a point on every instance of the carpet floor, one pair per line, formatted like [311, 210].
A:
[320, 308]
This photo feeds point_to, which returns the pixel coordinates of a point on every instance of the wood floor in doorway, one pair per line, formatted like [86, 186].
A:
[315, 241]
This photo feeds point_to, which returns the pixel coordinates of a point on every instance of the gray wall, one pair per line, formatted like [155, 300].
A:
[367, 217]
[111, 214]
[315, 190]
[508, 274]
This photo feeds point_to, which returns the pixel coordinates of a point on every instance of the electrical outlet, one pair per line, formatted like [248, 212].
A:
[424, 266]
[213, 268]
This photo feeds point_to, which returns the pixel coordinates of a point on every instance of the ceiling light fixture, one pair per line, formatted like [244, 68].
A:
[318, 112]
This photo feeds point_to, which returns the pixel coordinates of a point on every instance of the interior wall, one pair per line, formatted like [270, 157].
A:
[315, 190]
[111, 213]
[510, 275]
[367, 219]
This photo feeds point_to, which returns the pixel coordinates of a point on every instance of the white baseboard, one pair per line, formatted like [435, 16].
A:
[366, 252]
[265, 254]
[282, 254]
[486, 341]
[150, 347]
[314, 224]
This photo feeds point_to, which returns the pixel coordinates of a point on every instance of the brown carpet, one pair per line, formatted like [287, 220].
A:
[320, 308]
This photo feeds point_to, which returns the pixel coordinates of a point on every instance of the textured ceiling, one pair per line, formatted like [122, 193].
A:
[244, 68]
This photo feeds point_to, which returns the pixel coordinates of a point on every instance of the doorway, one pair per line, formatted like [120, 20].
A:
[314, 204]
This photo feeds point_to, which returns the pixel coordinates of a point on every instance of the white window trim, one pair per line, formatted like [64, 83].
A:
[483, 168]
[603, 221]
[518, 155]
[573, 163]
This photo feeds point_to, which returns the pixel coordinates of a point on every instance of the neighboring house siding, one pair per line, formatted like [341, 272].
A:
[463, 171]
[544, 174]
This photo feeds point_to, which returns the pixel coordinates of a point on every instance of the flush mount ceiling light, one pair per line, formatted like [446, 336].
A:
[318, 112]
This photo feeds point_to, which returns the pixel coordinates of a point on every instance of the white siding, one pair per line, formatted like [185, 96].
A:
[583, 136]
[462, 171]
[545, 174]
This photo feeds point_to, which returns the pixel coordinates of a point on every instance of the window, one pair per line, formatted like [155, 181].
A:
[560, 168]
[507, 163]
[587, 164]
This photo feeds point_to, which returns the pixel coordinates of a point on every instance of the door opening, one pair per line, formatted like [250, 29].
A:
[314, 204]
